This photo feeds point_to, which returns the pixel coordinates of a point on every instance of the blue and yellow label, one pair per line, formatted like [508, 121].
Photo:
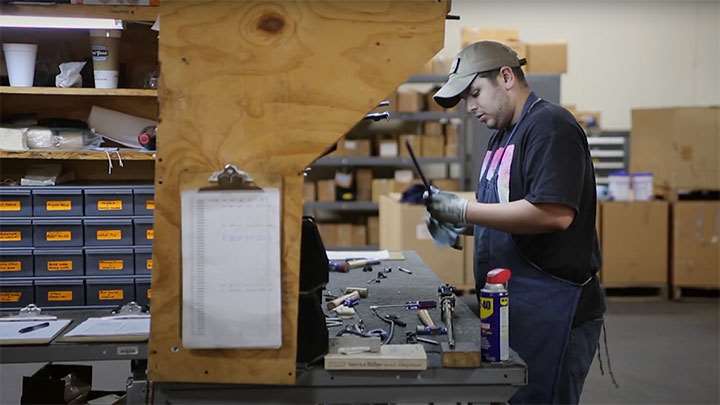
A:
[486, 307]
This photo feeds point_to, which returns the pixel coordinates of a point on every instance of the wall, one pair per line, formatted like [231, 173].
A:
[621, 54]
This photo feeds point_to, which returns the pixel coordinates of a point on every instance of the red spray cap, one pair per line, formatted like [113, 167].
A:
[498, 276]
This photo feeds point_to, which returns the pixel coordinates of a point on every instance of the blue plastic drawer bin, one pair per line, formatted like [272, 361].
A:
[59, 293]
[109, 291]
[108, 232]
[144, 231]
[15, 233]
[60, 233]
[142, 291]
[58, 202]
[109, 262]
[15, 202]
[59, 263]
[144, 200]
[143, 261]
[109, 201]
[16, 293]
[16, 263]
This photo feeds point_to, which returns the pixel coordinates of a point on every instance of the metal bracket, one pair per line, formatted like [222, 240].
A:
[231, 178]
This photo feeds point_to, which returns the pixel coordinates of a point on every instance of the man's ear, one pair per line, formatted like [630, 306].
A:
[507, 77]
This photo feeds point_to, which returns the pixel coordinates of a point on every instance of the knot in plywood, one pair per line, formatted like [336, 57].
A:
[272, 23]
[267, 24]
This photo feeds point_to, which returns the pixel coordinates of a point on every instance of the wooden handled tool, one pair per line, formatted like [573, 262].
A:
[339, 300]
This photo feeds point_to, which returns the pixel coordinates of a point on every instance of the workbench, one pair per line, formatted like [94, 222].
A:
[488, 383]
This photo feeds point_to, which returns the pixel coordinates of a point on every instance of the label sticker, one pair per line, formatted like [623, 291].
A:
[58, 205]
[58, 235]
[60, 265]
[110, 295]
[150, 234]
[148, 264]
[111, 264]
[127, 350]
[10, 266]
[109, 234]
[10, 296]
[148, 293]
[99, 53]
[109, 205]
[486, 307]
[60, 295]
[10, 206]
[150, 204]
[10, 236]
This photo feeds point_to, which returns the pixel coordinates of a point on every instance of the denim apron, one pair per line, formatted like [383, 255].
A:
[542, 307]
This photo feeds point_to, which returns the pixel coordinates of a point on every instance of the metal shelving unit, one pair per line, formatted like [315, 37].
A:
[610, 152]
[352, 206]
[375, 161]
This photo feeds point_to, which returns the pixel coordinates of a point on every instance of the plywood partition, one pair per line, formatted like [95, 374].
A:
[267, 86]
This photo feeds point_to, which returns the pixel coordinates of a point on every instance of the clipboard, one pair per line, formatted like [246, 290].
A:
[128, 324]
[231, 237]
[30, 327]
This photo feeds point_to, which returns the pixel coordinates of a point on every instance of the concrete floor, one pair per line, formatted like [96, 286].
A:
[661, 352]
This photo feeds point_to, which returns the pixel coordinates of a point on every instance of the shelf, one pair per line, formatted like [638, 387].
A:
[609, 165]
[367, 206]
[424, 115]
[374, 161]
[351, 248]
[605, 140]
[607, 153]
[127, 13]
[125, 154]
[78, 91]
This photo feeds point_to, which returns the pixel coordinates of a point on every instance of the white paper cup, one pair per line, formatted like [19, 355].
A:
[20, 63]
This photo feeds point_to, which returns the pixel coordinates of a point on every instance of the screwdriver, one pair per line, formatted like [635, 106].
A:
[429, 304]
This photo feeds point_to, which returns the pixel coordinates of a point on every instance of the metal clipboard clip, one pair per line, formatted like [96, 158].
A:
[128, 311]
[231, 178]
[29, 313]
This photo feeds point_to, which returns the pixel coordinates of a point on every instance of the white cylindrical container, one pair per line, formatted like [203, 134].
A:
[105, 47]
[619, 186]
[642, 185]
[20, 63]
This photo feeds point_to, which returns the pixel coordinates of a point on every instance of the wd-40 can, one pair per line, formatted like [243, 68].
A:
[494, 316]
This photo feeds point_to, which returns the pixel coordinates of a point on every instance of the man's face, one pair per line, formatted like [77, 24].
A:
[488, 101]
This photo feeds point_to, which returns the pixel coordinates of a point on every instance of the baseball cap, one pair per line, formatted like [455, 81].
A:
[479, 57]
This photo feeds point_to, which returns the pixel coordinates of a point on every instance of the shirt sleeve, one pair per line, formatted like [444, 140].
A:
[555, 168]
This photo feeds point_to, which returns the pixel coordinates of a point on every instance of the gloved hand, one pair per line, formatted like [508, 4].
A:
[446, 207]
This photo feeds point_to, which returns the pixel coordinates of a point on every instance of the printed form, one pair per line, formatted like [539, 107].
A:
[231, 258]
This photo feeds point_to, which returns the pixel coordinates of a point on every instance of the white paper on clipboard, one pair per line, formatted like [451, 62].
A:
[231, 269]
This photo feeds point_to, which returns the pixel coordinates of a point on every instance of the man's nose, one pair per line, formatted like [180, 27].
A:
[471, 107]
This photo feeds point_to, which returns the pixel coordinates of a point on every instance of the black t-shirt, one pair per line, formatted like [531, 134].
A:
[548, 161]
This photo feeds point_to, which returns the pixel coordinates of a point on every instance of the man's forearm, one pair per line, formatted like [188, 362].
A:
[521, 217]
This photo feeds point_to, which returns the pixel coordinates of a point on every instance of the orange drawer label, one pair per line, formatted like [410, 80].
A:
[150, 204]
[10, 266]
[150, 234]
[60, 295]
[58, 205]
[109, 205]
[10, 296]
[10, 236]
[148, 264]
[109, 234]
[60, 265]
[111, 264]
[10, 206]
[111, 295]
[148, 293]
[58, 235]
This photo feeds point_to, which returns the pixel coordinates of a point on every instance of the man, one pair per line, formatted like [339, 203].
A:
[534, 214]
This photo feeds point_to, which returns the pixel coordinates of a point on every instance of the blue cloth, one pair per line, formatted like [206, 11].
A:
[580, 352]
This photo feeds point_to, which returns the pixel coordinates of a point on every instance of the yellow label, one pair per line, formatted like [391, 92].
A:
[150, 234]
[58, 205]
[58, 235]
[60, 295]
[10, 206]
[10, 236]
[10, 266]
[110, 295]
[11, 296]
[148, 293]
[504, 301]
[111, 264]
[109, 205]
[148, 264]
[150, 204]
[60, 265]
[109, 234]
[486, 307]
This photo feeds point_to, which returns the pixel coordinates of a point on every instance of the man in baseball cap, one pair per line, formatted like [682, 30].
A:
[535, 215]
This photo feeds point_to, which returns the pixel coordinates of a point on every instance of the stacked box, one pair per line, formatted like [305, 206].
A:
[59, 263]
[15, 233]
[144, 232]
[60, 293]
[109, 202]
[108, 232]
[16, 293]
[16, 263]
[109, 262]
[60, 233]
[15, 202]
[58, 202]
[110, 291]
[144, 200]
[142, 291]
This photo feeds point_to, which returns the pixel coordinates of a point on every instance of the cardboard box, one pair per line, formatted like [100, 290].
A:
[355, 147]
[359, 235]
[452, 140]
[326, 190]
[433, 128]
[344, 235]
[546, 58]
[432, 145]
[328, 233]
[441, 65]
[309, 190]
[402, 227]
[363, 184]
[470, 35]
[430, 102]
[410, 101]
[414, 142]
[678, 145]
[382, 187]
[447, 184]
[696, 244]
[635, 244]
[388, 148]
[373, 231]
